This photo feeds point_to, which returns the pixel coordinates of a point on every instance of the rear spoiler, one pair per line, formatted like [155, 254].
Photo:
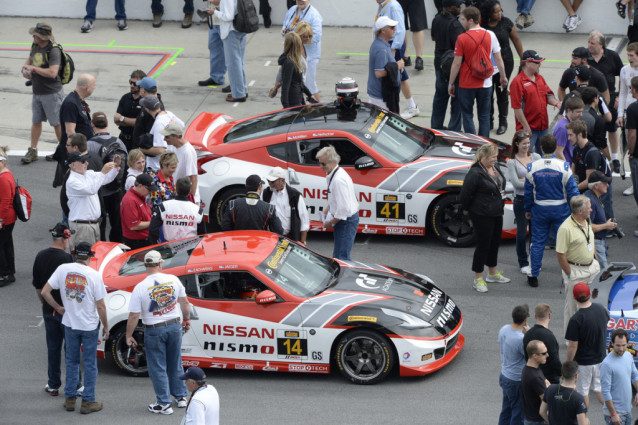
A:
[200, 129]
[105, 252]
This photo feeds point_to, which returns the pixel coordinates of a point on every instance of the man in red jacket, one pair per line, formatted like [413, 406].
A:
[135, 213]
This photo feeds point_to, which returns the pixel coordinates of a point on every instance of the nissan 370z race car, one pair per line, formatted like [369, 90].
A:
[262, 302]
[406, 178]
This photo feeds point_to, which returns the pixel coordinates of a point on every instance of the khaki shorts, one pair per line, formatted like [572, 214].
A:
[588, 378]
[46, 107]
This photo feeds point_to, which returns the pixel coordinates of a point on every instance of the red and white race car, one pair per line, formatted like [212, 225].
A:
[407, 178]
[261, 302]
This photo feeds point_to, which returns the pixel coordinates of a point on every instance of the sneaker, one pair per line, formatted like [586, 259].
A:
[529, 21]
[567, 20]
[51, 391]
[87, 26]
[418, 63]
[30, 156]
[480, 285]
[574, 22]
[90, 407]
[410, 113]
[526, 270]
[182, 402]
[520, 21]
[407, 61]
[121, 24]
[69, 404]
[208, 82]
[497, 278]
[629, 191]
[49, 158]
[532, 281]
[162, 409]
[80, 391]
[157, 20]
[615, 165]
[187, 22]
[226, 89]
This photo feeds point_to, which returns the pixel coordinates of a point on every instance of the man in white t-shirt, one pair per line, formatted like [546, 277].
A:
[203, 407]
[82, 291]
[186, 155]
[153, 107]
[155, 300]
[176, 218]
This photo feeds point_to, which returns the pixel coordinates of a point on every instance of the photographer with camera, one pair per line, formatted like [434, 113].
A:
[598, 184]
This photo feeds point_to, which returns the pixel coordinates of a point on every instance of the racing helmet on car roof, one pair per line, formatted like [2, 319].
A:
[347, 88]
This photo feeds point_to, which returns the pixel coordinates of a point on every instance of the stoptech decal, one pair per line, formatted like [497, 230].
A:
[317, 311]
[309, 368]
[414, 176]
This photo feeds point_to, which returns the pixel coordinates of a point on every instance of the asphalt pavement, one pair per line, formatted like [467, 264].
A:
[465, 391]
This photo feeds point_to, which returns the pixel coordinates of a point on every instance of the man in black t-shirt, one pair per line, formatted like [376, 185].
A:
[128, 109]
[596, 130]
[533, 382]
[540, 331]
[44, 265]
[585, 337]
[562, 405]
[580, 55]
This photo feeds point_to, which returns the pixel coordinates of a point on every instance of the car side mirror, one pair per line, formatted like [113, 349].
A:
[266, 297]
[364, 163]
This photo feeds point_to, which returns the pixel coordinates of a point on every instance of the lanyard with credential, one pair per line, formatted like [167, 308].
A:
[296, 18]
[332, 177]
[582, 230]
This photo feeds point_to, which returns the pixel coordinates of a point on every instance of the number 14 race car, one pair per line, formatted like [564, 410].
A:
[406, 178]
[261, 302]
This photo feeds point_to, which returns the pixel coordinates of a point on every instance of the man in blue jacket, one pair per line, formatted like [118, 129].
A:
[549, 185]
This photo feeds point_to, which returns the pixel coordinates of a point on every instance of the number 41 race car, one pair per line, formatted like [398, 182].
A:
[406, 178]
[261, 302]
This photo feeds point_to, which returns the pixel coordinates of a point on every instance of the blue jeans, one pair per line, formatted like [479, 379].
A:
[54, 330]
[344, 233]
[234, 55]
[601, 252]
[217, 61]
[521, 230]
[633, 166]
[625, 419]
[608, 204]
[120, 12]
[74, 340]
[524, 6]
[163, 346]
[158, 8]
[439, 105]
[526, 422]
[512, 409]
[535, 141]
[483, 98]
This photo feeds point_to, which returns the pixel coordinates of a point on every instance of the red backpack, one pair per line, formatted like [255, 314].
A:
[480, 62]
[22, 203]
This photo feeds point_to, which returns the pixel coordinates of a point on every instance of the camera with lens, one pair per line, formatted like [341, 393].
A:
[618, 232]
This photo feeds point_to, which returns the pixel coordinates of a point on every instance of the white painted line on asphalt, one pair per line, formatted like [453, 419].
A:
[365, 241]
[627, 174]
[22, 152]
[267, 63]
[252, 83]
[235, 104]
[40, 323]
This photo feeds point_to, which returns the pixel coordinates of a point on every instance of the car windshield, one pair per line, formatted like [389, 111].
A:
[261, 126]
[299, 271]
[395, 138]
[174, 254]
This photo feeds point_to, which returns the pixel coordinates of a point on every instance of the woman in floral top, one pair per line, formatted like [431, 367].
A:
[164, 179]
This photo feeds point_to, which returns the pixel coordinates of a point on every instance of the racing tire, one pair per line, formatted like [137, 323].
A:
[132, 363]
[218, 207]
[364, 357]
[450, 223]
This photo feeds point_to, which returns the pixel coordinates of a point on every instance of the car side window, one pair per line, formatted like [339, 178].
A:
[348, 151]
[238, 286]
[279, 151]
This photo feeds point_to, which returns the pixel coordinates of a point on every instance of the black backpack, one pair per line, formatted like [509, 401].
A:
[246, 19]
[107, 153]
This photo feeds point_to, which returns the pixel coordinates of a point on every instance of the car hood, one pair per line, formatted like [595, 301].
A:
[455, 144]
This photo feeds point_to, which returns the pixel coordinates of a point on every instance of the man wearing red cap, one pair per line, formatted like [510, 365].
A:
[585, 337]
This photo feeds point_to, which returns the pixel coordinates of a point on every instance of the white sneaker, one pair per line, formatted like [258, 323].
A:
[566, 23]
[181, 402]
[497, 278]
[87, 26]
[629, 191]
[162, 409]
[480, 285]
[527, 270]
[574, 22]
[410, 113]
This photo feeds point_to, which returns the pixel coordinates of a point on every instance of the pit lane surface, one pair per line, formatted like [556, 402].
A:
[465, 390]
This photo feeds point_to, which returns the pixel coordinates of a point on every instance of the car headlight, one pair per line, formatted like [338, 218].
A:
[409, 321]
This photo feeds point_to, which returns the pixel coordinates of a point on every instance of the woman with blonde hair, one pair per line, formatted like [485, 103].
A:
[7, 221]
[136, 162]
[163, 179]
[304, 30]
[293, 66]
[482, 196]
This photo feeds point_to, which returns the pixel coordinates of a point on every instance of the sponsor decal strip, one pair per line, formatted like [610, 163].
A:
[424, 176]
[294, 317]
[329, 312]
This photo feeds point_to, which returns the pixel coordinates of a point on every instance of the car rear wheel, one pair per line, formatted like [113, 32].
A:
[219, 206]
[131, 361]
[364, 357]
[450, 223]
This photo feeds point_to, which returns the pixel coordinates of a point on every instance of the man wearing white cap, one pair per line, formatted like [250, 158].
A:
[186, 156]
[380, 56]
[290, 205]
[155, 300]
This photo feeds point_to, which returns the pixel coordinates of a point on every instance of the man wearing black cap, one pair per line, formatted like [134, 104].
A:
[251, 213]
[82, 189]
[203, 406]
[41, 70]
[598, 185]
[82, 291]
[580, 56]
[135, 213]
[44, 265]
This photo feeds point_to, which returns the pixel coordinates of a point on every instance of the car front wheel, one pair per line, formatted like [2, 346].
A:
[130, 360]
[450, 223]
[364, 357]
[219, 206]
